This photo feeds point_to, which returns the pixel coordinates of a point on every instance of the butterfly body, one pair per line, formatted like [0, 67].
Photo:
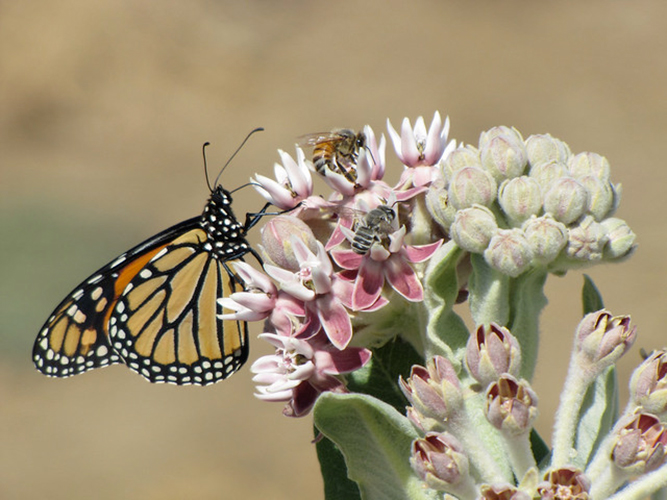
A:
[155, 308]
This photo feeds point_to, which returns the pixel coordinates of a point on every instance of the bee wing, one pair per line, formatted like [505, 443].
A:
[317, 138]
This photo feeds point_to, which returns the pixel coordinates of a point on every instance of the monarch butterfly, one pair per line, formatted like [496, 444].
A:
[155, 307]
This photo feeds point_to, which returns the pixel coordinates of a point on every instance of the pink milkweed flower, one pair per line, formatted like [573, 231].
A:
[420, 150]
[262, 300]
[300, 370]
[293, 184]
[391, 263]
[315, 284]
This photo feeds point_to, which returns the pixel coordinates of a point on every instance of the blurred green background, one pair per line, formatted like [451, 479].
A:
[103, 109]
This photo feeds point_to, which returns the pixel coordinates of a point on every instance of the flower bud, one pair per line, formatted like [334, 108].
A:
[567, 482]
[640, 445]
[600, 196]
[546, 237]
[511, 405]
[434, 392]
[587, 240]
[543, 148]
[546, 174]
[503, 153]
[509, 252]
[439, 460]
[276, 241]
[566, 200]
[438, 205]
[585, 164]
[520, 198]
[502, 492]
[603, 338]
[472, 186]
[621, 239]
[473, 228]
[648, 384]
[492, 351]
[461, 157]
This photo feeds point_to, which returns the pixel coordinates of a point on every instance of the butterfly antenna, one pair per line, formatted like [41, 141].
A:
[245, 185]
[203, 152]
[258, 129]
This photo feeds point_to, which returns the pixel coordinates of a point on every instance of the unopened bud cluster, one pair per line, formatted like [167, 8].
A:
[524, 203]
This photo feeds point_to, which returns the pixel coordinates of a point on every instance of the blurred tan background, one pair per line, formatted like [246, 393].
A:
[103, 109]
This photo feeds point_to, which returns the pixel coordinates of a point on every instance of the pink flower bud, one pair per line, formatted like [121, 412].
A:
[640, 444]
[502, 492]
[600, 196]
[648, 384]
[439, 460]
[511, 405]
[604, 338]
[437, 204]
[567, 482]
[434, 392]
[491, 352]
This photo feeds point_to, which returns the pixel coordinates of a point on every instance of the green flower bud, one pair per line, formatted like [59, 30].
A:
[473, 228]
[438, 205]
[276, 245]
[472, 186]
[503, 153]
[585, 164]
[509, 252]
[544, 149]
[621, 239]
[566, 200]
[463, 156]
[520, 198]
[546, 174]
[587, 240]
[546, 237]
[600, 196]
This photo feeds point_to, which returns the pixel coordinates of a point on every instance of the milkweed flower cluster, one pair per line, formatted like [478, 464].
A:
[360, 292]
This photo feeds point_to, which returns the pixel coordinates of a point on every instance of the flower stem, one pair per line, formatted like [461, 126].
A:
[644, 486]
[520, 454]
[565, 424]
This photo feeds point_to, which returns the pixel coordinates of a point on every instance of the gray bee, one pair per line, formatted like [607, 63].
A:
[375, 227]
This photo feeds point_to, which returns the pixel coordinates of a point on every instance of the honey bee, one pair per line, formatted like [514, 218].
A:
[337, 151]
[374, 228]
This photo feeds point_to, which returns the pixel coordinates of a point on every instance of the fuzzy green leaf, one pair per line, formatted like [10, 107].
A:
[334, 472]
[375, 440]
[379, 377]
[590, 296]
[597, 416]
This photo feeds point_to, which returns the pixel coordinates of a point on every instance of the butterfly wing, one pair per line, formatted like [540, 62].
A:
[75, 338]
[165, 324]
